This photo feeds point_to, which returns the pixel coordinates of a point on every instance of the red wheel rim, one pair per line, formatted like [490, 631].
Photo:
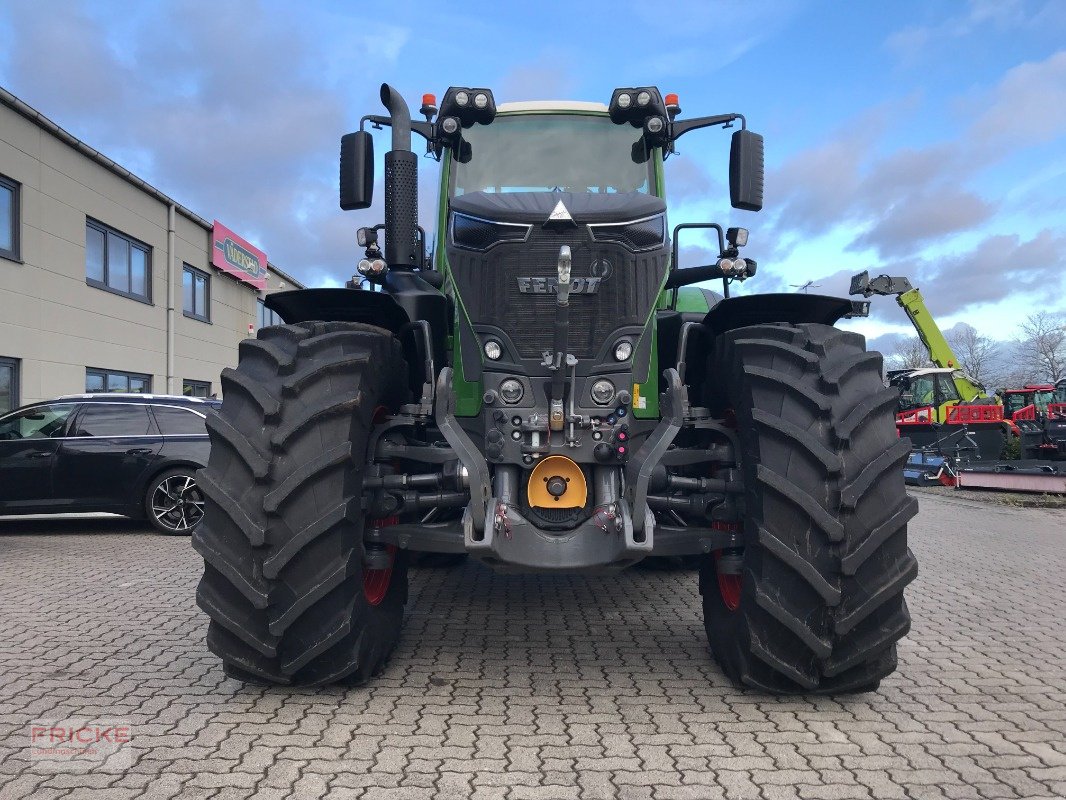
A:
[376, 581]
[728, 587]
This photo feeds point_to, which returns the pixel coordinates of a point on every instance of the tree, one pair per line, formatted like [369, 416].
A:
[909, 353]
[1042, 346]
[979, 356]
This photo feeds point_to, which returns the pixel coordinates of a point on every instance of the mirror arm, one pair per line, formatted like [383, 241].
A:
[679, 129]
[689, 275]
[423, 129]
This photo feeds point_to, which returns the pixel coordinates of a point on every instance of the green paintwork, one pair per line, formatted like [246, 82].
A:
[690, 298]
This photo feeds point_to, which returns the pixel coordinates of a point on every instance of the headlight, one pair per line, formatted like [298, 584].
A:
[643, 99]
[603, 392]
[623, 349]
[481, 100]
[511, 390]
[474, 233]
[493, 349]
[462, 98]
[640, 234]
[625, 100]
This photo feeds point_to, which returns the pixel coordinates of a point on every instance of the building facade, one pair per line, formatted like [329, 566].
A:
[107, 284]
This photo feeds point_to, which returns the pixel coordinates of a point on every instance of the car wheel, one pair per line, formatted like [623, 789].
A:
[174, 502]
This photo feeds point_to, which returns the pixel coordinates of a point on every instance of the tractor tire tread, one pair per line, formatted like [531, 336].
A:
[826, 562]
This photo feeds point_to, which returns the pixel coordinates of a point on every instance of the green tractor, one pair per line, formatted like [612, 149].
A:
[549, 393]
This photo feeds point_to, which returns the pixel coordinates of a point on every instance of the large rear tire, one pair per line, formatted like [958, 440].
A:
[817, 606]
[282, 539]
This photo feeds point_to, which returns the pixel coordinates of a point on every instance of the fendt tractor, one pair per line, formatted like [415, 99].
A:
[550, 393]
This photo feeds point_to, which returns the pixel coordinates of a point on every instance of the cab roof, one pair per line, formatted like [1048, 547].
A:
[551, 105]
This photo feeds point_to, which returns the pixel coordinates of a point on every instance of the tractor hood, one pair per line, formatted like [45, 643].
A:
[536, 207]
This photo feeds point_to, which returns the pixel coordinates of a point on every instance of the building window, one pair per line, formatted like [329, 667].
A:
[196, 293]
[9, 218]
[117, 263]
[266, 316]
[9, 384]
[109, 380]
[196, 388]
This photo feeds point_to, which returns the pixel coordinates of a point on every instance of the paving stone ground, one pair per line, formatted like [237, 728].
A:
[540, 687]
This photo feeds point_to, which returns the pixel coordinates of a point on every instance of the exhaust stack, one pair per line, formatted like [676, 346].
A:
[401, 186]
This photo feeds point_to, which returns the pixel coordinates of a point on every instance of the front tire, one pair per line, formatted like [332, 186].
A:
[290, 594]
[814, 602]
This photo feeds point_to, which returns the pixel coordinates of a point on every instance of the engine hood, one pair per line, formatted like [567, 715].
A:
[536, 207]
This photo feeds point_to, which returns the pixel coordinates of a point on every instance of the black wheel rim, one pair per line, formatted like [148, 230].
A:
[178, 503]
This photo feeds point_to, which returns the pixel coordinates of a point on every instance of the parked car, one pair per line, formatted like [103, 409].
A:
[131, 454]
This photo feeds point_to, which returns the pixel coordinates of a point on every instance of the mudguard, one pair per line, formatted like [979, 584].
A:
[739, 312]
[339, 305]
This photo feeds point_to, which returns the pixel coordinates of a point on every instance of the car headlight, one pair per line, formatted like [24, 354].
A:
[640, 234]
[474, 233]
[603, 392]
[511, 390]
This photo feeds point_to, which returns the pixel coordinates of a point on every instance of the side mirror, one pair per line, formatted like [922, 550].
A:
[746, 170]
[357, 170]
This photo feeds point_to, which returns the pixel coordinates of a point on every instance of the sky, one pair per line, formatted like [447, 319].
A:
[922, 138]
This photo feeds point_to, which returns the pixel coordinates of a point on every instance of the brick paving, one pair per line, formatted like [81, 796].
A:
[540, 687]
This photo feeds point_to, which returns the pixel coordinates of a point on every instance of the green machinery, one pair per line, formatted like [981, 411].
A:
[552, 392]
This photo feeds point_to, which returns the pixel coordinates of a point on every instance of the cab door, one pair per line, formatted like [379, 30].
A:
[111, 446]
[29, 442]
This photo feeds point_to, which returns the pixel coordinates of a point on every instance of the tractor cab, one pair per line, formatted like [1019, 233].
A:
[1029, 402]
[926, 394]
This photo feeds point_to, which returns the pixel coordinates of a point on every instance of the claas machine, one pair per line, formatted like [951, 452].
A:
[551, 392]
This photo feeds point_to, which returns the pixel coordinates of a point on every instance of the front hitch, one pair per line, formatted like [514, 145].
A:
[556, 416]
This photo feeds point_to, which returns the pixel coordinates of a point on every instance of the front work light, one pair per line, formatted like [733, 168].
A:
[635, 105]
[737, 237]
[469, 105]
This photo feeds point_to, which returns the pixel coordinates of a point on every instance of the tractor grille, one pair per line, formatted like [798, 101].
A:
[488, 284]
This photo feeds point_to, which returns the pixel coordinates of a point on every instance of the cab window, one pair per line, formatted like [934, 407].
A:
[41, 422]
[948, 391]
[922, 390]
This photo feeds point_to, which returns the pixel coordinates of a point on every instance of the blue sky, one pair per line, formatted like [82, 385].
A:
[926, 139]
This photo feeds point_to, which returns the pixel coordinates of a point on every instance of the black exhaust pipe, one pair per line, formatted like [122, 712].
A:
[401, 186]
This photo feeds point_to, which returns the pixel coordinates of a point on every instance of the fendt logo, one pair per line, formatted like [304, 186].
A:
[549, 285]
[240, 258]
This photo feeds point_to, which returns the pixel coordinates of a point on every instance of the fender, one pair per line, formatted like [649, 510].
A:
[339, 305]
[739, 312]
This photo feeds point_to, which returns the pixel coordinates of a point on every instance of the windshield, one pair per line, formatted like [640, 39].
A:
[553, 152]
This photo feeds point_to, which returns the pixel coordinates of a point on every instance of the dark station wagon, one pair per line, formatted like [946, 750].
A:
[130, 454]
